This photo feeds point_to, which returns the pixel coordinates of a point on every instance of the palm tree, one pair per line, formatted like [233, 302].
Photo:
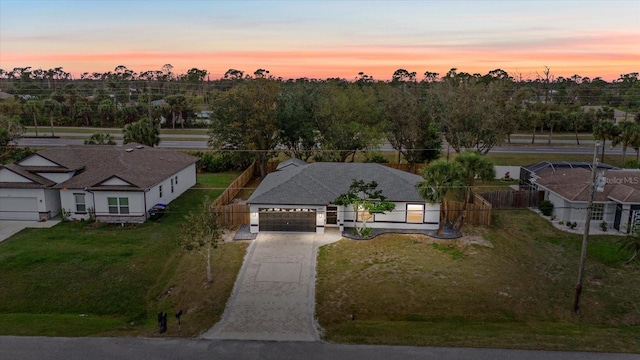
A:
[440, 178]
[100, 139]
[52, 108]
[142, 132]
[474, 166]
[33, 107]
[604, 130]
[628, 130]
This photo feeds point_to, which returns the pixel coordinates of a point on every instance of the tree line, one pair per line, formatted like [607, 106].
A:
[330, 119]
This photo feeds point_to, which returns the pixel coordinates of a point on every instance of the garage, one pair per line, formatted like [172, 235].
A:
[296, 220]
[19, 208]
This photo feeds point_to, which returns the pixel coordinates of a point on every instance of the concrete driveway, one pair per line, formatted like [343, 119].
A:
[274, 295]
[9, 227]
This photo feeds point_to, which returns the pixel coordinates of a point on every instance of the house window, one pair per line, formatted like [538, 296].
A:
[415, 213]
[363, 215]
[81, 206]
[597, 211]
[118, 205]
[176, 179]
[172, 186]
[160, 190]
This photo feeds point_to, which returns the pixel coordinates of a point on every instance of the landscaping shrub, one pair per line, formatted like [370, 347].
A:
[546, 207]
[221, 162]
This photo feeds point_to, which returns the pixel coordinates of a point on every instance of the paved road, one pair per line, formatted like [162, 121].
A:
[274, 295]
[202, 144]
[32, 348]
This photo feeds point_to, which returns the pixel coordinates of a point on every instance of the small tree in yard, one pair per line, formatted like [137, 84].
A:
[202, 232]
[367, 200]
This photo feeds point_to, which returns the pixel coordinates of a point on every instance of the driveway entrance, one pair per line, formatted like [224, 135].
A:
[274, 295]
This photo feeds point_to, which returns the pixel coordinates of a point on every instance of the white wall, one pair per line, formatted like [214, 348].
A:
[52, 201]
[186, 179]
[9, 176]
[397, 218]
[68, 203]
[136, 206]
[57, 177]
[36, 160]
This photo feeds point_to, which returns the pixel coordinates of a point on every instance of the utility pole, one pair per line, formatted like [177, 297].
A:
[587, 224]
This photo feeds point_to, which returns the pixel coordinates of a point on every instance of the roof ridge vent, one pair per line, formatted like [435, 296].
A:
[139, 147]
[129, 150]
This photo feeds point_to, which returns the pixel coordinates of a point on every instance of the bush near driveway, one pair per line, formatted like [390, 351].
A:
[403, 289]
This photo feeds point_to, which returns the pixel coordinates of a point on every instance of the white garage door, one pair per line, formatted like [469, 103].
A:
[19, 208]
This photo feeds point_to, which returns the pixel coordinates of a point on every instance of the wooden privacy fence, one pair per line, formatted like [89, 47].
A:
[234, 214]
[235, 187]
[513, 198]
[417, 168]
[478, 211]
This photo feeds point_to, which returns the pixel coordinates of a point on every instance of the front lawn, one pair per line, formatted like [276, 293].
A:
[80, 279]
[507, 286]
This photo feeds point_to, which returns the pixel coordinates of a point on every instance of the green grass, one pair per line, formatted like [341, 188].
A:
[119, 277]
[515, 291]
[61, 130]
[527, 159]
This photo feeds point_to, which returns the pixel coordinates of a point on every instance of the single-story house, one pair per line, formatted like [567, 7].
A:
[616, 201]
[298, 197]
[115, 183]
[530, 173]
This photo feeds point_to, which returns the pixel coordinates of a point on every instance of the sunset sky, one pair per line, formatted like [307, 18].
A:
[321, 39]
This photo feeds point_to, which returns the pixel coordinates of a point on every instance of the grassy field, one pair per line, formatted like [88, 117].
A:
[80, 279]
[507, 286]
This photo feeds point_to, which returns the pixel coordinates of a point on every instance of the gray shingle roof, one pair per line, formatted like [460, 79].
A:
[321, 183]
[142, 167]
[38, 181]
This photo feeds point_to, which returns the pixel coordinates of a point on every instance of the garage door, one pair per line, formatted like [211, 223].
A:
[298, 220]
[19, 208]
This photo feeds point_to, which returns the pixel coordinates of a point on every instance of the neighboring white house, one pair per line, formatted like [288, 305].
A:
[617, 202]
[298, 197]
[115, 183]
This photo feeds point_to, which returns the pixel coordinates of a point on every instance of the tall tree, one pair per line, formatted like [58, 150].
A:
[604, 130]
[470, 112]
[348, 119]
[51, 108]
[410, 124]
[33, 107]
[245, 118]
[297, 108]
[626, 134]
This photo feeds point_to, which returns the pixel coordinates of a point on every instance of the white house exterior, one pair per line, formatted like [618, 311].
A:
[299, 197]
[113, 183]
[617, 202]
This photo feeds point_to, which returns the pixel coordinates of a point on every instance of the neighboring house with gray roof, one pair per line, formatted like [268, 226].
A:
[617, 200]
[117, 183]
[299, 197]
